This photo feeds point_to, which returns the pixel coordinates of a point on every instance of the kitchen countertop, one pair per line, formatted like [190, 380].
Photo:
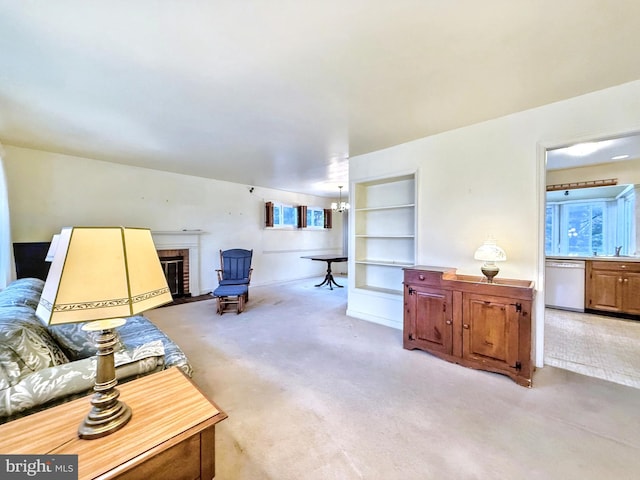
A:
[597, 258]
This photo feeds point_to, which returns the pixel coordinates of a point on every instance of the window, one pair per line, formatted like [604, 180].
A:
[549, 229]
[315, 217]
[278, 215]
[285, 215]
[583, 227]
[588, 227]
[6, 263]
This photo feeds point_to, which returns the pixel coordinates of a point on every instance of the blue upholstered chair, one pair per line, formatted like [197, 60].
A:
[235, 268]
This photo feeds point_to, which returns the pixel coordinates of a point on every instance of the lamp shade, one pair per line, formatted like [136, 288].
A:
[490, 252]
[52, 248]
[100, 273]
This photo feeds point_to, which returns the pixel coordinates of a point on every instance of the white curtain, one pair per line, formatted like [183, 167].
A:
[6, 253]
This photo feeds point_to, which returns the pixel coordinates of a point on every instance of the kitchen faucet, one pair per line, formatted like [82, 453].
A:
[618, 251]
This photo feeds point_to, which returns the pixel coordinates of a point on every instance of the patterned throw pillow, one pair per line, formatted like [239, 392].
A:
[53, 385]
[25, 345]
[22, 292]
[76, 342]
[11, 366]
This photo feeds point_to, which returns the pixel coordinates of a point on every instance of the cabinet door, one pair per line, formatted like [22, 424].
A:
[490, 330]
[604, 291]
[631, 293]
[429, 325]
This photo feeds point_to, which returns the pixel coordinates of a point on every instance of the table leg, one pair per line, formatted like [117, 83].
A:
[328, 278]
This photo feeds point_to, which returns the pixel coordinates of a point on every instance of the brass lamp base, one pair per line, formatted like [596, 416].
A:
[101, 422]
[490, 270]
[108, 414]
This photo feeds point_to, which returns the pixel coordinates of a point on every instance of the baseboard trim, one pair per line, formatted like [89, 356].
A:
[387, 322]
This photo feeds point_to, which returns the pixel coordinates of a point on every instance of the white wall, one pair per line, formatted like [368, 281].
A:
[48, 191]
[489, 178]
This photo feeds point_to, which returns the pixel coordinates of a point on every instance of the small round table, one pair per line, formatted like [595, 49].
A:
[328, 278]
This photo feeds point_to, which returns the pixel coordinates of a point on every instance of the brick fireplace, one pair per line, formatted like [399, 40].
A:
[175, 264]
[179, 253]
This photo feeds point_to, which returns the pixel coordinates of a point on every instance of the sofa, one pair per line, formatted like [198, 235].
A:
[44, 366]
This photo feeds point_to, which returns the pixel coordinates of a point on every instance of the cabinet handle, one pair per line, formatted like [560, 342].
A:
[448, 322]
[421, 277]
[465, 325]
[619, 280]
[626, 280]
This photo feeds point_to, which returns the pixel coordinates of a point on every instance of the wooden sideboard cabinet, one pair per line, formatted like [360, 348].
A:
[613, 287]
[464, 319]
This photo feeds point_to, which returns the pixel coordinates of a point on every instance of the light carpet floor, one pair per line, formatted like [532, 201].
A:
[594, 345]
[314, 394]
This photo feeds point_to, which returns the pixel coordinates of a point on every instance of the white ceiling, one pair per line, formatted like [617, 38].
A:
[601, 151]
[279, 94]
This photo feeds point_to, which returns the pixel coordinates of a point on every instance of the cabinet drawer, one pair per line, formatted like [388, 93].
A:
[180, 462]
[417, 277]
[425, 275]
[616, 266]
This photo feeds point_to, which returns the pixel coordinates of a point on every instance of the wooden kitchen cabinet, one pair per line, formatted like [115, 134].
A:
[465, 320]
[613, 286]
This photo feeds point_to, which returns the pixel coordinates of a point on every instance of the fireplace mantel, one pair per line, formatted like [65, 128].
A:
[183, 239]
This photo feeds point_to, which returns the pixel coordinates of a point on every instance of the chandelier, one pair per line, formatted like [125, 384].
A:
[340, 206]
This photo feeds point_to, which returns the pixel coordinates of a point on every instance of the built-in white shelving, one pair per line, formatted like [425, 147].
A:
[384, 233]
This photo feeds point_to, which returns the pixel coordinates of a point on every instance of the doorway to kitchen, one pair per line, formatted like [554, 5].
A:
[582, 223]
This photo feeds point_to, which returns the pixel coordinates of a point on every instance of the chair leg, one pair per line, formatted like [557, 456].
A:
[218, 305]
[240, 305]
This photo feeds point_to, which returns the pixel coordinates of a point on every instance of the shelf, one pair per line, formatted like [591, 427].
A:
[384, 236]
[384, 243]
[385, 207]
[385, 263]
[388, 291]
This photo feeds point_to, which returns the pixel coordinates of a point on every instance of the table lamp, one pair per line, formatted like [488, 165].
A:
[101, 275]
[490, 253]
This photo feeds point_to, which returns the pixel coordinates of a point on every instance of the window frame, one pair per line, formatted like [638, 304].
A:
[311, 225]
[279, 216]
[275, 215]
[614, 232]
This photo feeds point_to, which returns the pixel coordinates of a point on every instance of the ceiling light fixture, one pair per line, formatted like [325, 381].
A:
[619, 157]
[340, 206]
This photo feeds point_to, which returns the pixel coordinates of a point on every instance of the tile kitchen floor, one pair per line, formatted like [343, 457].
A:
[593, 345]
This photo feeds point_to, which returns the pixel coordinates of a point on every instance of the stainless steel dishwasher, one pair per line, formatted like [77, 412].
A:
[564, 284]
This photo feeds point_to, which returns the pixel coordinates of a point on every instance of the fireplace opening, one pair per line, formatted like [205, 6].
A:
[173, 268]
[175, 264]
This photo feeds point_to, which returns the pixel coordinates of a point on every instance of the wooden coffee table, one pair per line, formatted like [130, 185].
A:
[170, 436]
